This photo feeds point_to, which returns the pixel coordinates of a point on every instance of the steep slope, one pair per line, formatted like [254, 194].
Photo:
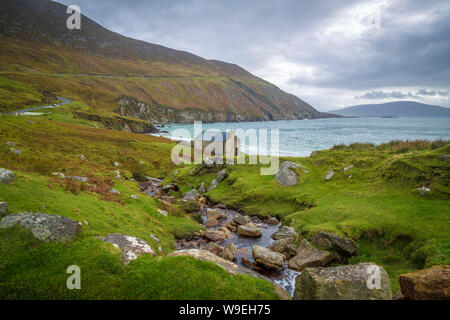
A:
[395, 109]
[116, 73]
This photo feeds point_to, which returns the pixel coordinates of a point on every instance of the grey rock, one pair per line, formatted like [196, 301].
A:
[192, 195]
[281, 245]
[59, 174]
[116, 164]
[114, 191]
[423, 191]
[81, 179]
[213, 184]
[285, 176]
[202, 188]
[249, 230]
[329, 175]
[3, 209]
[154, 237]
[131, 247]
[163, 212]
[348, 168]
[44, 226]
[14, 150]
[7, 176]
[229, 252]
[445, 157]
[221, 175]
[118, 177]
[168, 188]
[329, 240]
[309, 256]
[215, 235]
[285, 232]
[342, 283]
[11, 144]
[267, 257]
[135, 197]
[241, 219]
[82, 157]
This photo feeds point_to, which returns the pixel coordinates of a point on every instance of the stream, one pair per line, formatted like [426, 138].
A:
[284, 277]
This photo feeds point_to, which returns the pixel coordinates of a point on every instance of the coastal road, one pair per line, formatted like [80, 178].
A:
[64, 101]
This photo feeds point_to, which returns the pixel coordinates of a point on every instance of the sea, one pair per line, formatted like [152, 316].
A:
[298, 138]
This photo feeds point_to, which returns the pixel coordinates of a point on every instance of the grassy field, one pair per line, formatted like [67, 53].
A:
[375, 203]
[30, 269]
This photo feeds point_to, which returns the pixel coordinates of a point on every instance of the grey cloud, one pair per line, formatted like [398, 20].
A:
[412, 48]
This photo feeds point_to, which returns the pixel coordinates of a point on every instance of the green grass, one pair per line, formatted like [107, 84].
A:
[37, 270]
[31, 269]
[375, 203]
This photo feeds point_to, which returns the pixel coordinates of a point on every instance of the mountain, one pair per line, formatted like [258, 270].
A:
[394, 109]
[42, 58]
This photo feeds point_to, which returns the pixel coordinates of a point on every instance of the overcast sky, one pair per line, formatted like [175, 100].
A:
[331, 53]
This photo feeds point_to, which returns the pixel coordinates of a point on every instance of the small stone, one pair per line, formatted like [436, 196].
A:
[59, 174]
[249, 230]
[445, 157]
[329, 175]
[163, 212]
[423, 191]
[348, 168]
[114, 191]
[272, 220]
[221, 175]
[211, 222]
[214, 184]
[135, 197]
[241, 219]
[82, 157]
[3, 209]
[11, 144]
[16, 151]
[115, 164]
[202, 188]
[118, 177]
[154, 237]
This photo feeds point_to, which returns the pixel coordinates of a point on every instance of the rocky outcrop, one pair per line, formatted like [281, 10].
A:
[43, 226]
[428, 284]
[229, 252]
[331, 241]
[285, 232]
[229, 266]
[285, 176]
[343, 283]
[119, 123]
[3, 209]
[131, 247]
[249, 230]
[267, 257]
[309, 256]
[7, 176]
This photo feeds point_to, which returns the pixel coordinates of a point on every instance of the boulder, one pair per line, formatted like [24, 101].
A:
[249, 230]
[332, 241]
[131, 247]
[214, 248]
[215, 235]
[285, 176]
[445, 157]
[191, 195]
[272, 220]
[214, 213]
[267, 257]
[7, 176]
[309, 256]
[428, 284]
[211, 222]
[281, 245]
[229, 252]
[221, 175]
[285, 232]
[351, 282]
[229, 266]
[213, 184]
[329, 175]
[241, 219]
[43, 226]
[226, 231]
[3, 209]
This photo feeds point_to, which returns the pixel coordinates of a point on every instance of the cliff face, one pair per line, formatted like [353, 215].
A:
[111, 72]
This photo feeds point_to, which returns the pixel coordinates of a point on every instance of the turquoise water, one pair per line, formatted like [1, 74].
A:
[301, 137]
